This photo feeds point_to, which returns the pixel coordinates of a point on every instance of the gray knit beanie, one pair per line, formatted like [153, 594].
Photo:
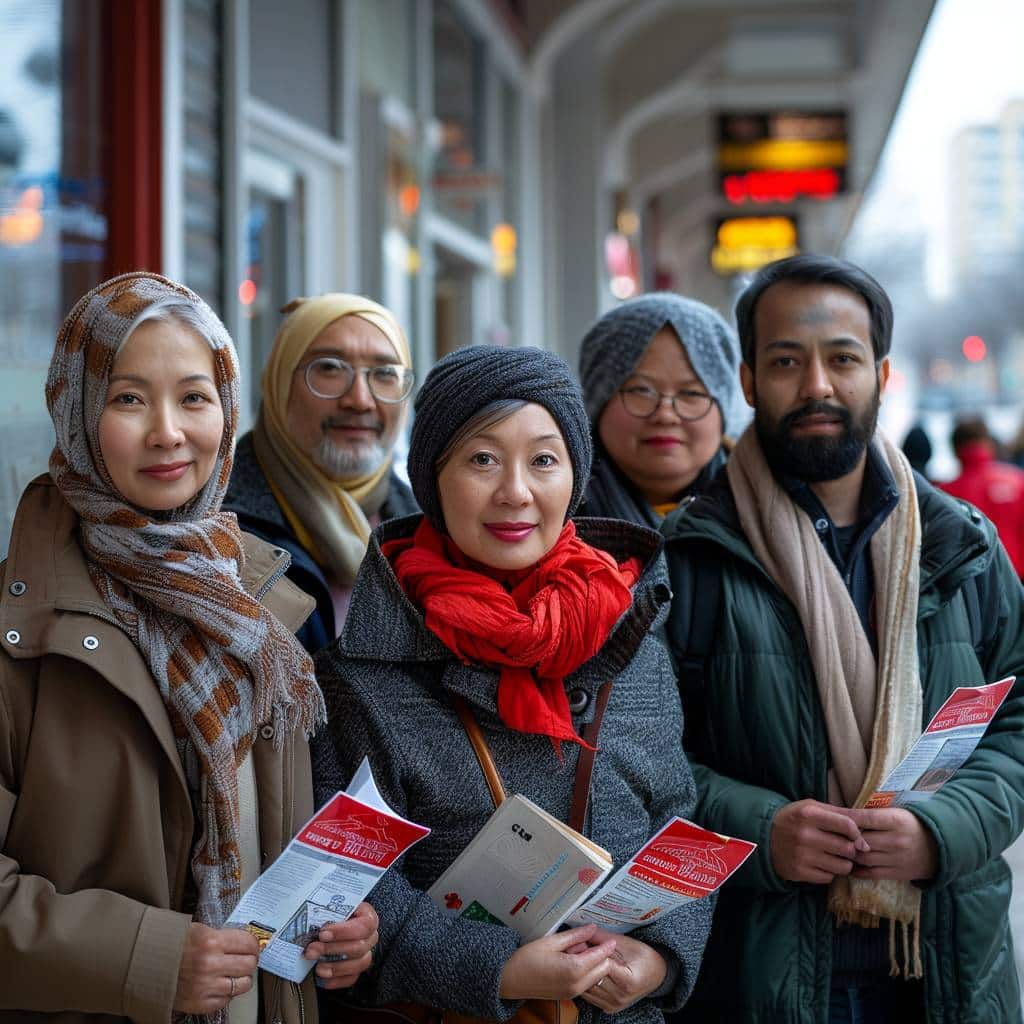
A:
[466, 380]
[614, 345]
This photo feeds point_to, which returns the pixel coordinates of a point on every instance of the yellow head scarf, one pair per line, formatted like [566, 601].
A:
[329, 517]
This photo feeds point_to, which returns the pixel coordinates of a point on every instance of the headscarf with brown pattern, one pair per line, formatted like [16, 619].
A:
[224, 665]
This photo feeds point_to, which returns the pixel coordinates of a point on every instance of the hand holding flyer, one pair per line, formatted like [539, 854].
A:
[323, 874]
[952, 734]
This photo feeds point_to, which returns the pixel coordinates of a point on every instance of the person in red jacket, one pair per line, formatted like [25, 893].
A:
[997, 488]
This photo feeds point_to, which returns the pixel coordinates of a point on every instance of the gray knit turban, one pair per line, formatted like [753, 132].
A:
[614, 345]
[463, 382]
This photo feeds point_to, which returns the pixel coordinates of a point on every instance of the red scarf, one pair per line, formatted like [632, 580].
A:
[554, 617]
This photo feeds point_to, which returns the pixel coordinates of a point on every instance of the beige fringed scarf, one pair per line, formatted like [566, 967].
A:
[872, 713]
[330, 518]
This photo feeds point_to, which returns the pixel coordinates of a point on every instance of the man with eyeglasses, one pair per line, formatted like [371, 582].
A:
[314, 476]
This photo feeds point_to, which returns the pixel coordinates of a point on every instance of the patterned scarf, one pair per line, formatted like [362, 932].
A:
[872, 710]
[328, 517]
[224, 665]
[536, 626]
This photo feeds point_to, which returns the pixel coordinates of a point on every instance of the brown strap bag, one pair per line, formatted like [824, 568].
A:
[532, 1011]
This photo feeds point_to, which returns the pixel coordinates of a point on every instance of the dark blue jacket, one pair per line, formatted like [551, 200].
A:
[250, 498]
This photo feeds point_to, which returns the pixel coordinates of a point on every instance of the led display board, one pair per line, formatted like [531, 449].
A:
[781, 156]
[742, 244]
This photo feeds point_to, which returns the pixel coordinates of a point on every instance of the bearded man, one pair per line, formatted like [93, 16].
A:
[315, 474]
[826, 602]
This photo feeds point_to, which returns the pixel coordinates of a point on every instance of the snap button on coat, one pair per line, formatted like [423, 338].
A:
[578, 701]
[17, 588]
[13, 636]
[266, 732]
[90, 643]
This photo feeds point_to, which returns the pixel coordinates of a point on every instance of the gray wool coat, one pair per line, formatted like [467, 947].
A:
[387, 680]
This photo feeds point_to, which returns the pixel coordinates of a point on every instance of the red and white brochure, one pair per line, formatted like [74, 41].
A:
[952, 734]
[680, 863]
[323, 874]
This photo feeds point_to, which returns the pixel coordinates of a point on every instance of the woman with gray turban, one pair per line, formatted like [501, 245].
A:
[660, 380]
[494, 616]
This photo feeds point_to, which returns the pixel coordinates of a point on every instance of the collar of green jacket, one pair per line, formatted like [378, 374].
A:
[956, 540]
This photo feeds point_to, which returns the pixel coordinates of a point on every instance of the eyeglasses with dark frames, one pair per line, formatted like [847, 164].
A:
[641, 401]
[330, 377]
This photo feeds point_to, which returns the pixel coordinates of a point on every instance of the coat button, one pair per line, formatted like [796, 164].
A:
[90, 643]
[13, 636]
[17, 588]
[821, 525]
[578, 701]
[266, 732]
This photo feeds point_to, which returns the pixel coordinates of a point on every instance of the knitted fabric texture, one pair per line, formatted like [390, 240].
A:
[872, 712]
[224, 665]
[551, 619]
[468, 379]
[615, 344]
[328, 516]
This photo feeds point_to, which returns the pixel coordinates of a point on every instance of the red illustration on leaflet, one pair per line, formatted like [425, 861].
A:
[359, 832]
[690, 860]
[970, 706]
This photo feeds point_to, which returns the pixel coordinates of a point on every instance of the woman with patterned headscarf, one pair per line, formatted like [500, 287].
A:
[661, 382]
[154, 705]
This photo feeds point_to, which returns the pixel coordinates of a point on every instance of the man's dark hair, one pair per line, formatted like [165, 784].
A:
[808, 268]
[969, 429]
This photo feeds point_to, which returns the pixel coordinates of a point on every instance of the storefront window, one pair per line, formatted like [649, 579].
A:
[461, 177]
[53, 211]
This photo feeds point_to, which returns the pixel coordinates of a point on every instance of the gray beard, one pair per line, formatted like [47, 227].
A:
[343, 463]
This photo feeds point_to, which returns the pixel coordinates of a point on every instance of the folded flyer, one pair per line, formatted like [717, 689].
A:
[951, 736]
[323, 874]
[679, 864]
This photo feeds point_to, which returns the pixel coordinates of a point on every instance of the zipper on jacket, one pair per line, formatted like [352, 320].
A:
[275, 1002]
[302, 1005]
[276, 573]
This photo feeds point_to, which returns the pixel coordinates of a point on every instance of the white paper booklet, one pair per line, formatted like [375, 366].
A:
[524, 869]
[330, 866]
[951, 736]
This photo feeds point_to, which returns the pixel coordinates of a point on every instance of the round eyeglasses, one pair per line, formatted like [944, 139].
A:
[329, 377]
[642, 402]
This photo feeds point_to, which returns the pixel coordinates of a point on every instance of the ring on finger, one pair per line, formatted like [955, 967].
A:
[600, 983]
[232, 993]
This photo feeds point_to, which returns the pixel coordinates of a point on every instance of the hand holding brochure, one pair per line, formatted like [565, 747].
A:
[330, 866]
[530, 871]
[951, 736]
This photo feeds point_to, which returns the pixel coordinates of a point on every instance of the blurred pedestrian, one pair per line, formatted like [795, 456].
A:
[498, 615]
[918, 449]
[660, 378]
[997, 488]
[154, 705]
[826, 601]
[314, 476]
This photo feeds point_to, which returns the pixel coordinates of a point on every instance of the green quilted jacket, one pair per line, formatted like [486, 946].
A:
[756, 739]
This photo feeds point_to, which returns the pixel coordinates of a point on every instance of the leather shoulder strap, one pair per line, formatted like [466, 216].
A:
[585, 764]
[480, 748]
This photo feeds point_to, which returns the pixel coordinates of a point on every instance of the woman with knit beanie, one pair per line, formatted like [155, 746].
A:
[154, 705]
[661, 384]
[493, 614]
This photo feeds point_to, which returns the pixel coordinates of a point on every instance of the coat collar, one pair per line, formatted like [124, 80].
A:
[48, 604]
[383, 625]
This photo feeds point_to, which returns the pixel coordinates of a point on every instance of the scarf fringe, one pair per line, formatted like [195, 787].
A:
[909, 932]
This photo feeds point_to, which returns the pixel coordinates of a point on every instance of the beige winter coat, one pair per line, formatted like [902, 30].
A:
[95, 818]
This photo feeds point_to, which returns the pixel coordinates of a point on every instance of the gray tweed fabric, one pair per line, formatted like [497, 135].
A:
[465, 381]
[386, 681]
[612, 347]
